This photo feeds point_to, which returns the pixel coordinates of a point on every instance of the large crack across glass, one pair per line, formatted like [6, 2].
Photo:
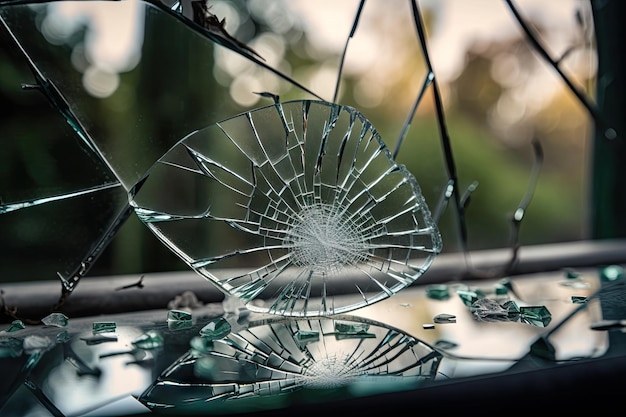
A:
[304, 196]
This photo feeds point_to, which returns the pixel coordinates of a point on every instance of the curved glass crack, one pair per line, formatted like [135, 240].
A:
[303, 194]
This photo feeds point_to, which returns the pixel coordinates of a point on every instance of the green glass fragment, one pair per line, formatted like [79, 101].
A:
[216, 329]
[571, 274]
[152, 339]
[501, 289]
[358, 335]
[63, 337]
[55, 319]
[303, 337]
[178, 315]
[468, 297]
[175, 325]
[512, 307]
[350, 327]
[15, 326]
[103, 327]
[611, 273]
[536, 315]
[438, 292]
[579, 299]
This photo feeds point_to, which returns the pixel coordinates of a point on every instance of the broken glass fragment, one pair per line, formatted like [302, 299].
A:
[103, 327]
[267, 360]
[152, 339]
[178, 315]
[63, 337]
[611, 273]
[176, 325]
[216, 329]
[438, 292]
[444, 318]
[512, 307]
[428, 326]
[579, 299]
[469, 297]
[305, 195]
[302, 337]
[571, 273]
[15, 326]
[501, 289]
[536, 315]
[351, 327]
[55, 319]
[487, 309]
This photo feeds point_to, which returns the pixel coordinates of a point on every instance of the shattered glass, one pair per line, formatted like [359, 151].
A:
[300, 209]
[306, 195]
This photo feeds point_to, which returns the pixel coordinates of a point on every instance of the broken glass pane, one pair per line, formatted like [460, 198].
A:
[305, 195]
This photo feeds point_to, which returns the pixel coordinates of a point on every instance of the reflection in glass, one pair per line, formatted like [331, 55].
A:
[281, 356]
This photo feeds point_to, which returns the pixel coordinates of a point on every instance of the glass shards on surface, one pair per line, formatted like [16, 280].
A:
[152, 339]
[305, 196]
[279, 356]
[103, 327]
[216, 329]
[55, 319]
[15, 326]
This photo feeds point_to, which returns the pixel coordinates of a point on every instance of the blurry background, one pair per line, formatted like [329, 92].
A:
[499, 96]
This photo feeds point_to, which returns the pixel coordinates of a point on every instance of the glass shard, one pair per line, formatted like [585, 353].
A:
[438, 292]
[103, 327]
[15, 326]
[536, 315]
[444, 318]
[579, 299]
[216, 329]
[468, 297]
[152, 339]
[487, 309]
[303, 194]
[55, 319]
[178, 315]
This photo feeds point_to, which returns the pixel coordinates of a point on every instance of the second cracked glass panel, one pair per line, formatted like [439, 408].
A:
[291, 205]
